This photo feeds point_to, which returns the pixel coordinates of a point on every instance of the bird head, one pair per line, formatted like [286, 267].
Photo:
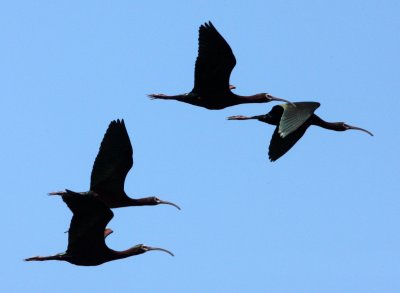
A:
[141, 248]
[153, 200]
[271, 98]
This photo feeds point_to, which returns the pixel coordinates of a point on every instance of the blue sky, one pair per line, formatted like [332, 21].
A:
[323, 218]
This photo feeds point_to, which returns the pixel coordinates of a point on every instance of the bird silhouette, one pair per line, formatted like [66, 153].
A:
[214, 64]
[110, 168]
[87, 233]
[291, 122]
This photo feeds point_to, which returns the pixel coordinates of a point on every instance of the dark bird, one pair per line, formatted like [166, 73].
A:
[214, 64]
[291, 123]
[87, 232]
[110, 168]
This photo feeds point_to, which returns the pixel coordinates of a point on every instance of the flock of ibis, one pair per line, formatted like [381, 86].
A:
[92, 209]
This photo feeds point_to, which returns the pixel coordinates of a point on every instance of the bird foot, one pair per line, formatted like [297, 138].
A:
[157, 96]
[237, 117]
[33, 258]
[57, 193]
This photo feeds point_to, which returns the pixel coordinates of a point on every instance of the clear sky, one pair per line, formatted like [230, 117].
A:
[323, 218]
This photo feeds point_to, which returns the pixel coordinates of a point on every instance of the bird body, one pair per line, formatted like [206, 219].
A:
[112, 164]
[87, 232]
[214, 64]
[214, 101]
[292, 121]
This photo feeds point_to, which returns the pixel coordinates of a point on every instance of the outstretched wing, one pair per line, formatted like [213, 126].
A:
[89, 220]
[214, 63]
[280, 146]
[293, 117]
[113, 161]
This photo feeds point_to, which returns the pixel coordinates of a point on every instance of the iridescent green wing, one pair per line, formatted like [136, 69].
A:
[280, 146]
[293, 117]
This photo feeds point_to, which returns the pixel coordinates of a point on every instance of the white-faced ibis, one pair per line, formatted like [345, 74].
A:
[291, 123]
[87, 232]
[214, 64]
[110, 168]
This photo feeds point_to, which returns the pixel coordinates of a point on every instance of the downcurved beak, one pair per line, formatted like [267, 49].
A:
[148, 248]
[240, 117]
[169, 203]
[273, 98]
[358, 128]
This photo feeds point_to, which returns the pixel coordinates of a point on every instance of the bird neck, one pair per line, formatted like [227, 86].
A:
[146, 201]
[181, 97]
[257, 98]
[135, 250]
[336, 126]
[59, 256]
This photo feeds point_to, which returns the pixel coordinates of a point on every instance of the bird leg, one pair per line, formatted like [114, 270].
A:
[237, 117]
[166, 97]
[68, 192]
[158, 96]
[57, 193]
[58, 256]
[240, 117]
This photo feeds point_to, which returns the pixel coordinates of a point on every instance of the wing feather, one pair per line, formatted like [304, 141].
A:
[214, 63]
[113, 162]
[280, 146]
[293, 117]
[89, 220]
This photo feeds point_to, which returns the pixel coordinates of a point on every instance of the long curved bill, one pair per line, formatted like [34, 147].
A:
[273, 98]
[148, 248]
[358, 128]
[169, 203]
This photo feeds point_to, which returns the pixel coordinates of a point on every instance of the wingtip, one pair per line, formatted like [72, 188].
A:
[272, 158]
[207, 25]
[117, 122]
